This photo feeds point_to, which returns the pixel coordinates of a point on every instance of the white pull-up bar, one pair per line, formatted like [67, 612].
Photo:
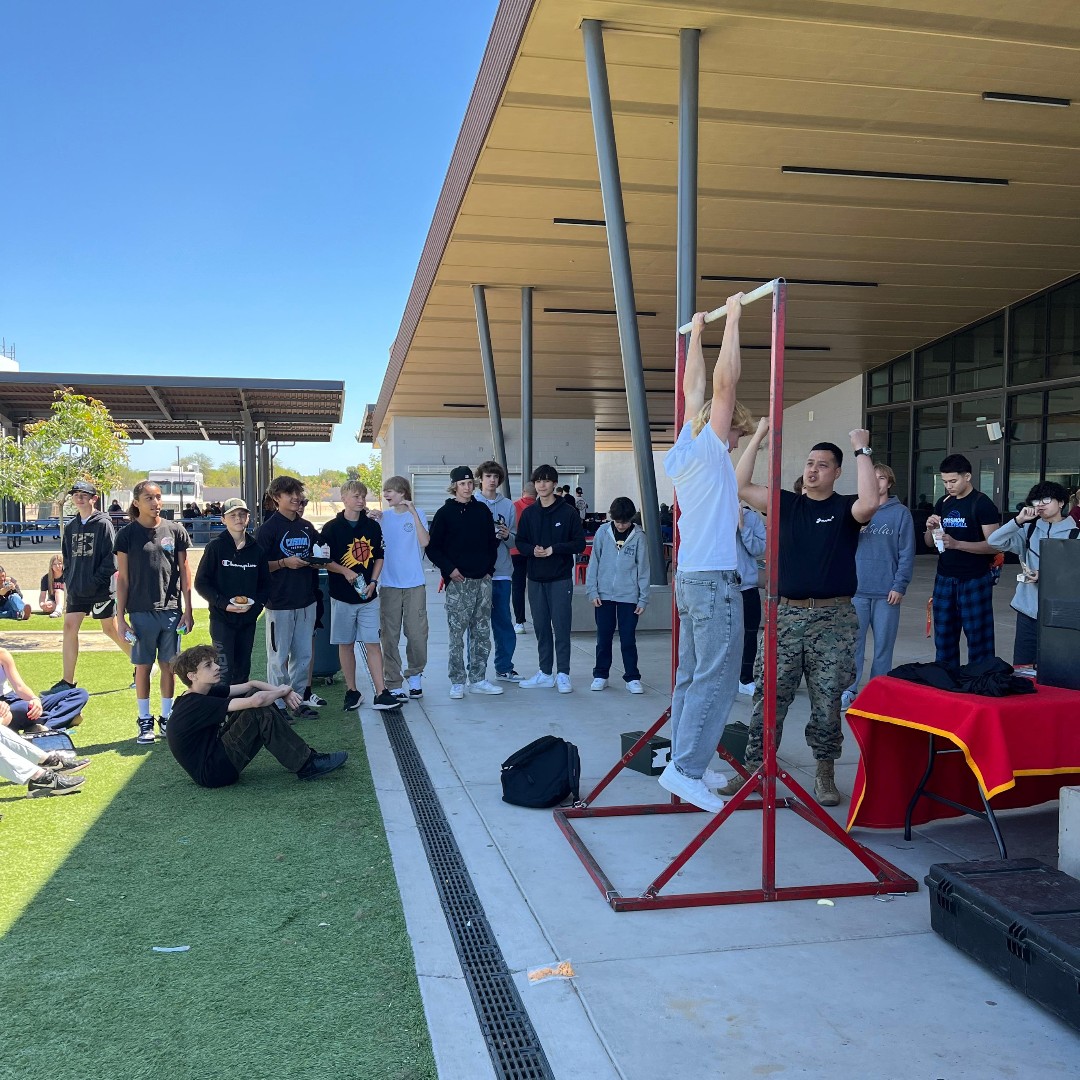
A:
[748, 298]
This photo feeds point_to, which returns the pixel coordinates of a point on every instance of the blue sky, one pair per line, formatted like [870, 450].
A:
[225, 188]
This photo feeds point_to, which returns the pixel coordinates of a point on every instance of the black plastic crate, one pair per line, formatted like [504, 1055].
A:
[1019, 918]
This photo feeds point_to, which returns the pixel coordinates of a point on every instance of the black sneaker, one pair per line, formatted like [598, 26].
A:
[305, 712]
[59, 687]
[415, 692]
[401, 694]
[146, 731]
[385, 700]
[321, 764]
[312, 700]
[64, 761]
[352, 700]
[162, 723]
[53, 783]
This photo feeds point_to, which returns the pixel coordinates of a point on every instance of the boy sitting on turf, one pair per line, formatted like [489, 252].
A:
[216, 730]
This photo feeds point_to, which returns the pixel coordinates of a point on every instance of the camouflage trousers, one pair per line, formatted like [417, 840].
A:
[820, 644]
[468, 611]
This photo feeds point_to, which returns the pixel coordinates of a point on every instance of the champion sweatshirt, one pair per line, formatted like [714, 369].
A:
[225, 572]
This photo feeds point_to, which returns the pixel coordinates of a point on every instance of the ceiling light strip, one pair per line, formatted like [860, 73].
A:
[1027, 99]
[874, 174]
[794, 281]
[595, 223]
[593, 311]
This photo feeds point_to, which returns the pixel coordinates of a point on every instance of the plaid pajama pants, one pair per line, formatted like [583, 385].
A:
[968, 606]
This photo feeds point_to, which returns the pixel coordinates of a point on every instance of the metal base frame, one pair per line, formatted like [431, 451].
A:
[762, 783]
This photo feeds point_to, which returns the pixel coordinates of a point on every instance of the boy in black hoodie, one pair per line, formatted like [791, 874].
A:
[234, 579]
[463, 544]
[89, 569]
[550, 533]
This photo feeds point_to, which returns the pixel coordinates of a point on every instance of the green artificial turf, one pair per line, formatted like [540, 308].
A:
[300, 964]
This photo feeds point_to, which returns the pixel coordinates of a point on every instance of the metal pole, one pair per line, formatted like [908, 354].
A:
[526, 383]
[622, 279]
[483, 328]
[686, 259]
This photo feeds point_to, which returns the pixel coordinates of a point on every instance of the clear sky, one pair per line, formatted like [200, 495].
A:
[225, 188]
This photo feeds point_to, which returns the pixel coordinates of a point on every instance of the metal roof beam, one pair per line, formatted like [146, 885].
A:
[160, 403]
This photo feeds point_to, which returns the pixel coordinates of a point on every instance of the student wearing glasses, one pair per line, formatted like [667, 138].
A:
[1042, 518]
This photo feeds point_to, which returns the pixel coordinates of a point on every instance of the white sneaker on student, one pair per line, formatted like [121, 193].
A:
[538, 680]
[457, 691]
[598, 684]
[484, 687]
[747, 688]
[562, 681]
[690, 790]
[714, 779]
[519, 628]
[634, 686]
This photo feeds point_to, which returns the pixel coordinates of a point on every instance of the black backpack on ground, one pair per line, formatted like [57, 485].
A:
[542, 774]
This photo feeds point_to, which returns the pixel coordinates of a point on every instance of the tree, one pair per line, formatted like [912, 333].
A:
[197, 462]
[225, 475]
[80, 441]
[371, 473]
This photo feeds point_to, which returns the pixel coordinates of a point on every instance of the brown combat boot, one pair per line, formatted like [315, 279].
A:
[825, 785]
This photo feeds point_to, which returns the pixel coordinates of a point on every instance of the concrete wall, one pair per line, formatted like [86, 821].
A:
[616, 475]
[423, 442]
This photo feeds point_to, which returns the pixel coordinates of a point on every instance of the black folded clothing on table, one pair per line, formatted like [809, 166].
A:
[990, 678]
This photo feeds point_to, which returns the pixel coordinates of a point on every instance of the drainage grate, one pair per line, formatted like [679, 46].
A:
[511, 1039]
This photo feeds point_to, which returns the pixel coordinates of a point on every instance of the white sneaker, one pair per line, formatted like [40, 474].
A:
[457, 691]
[484, 687]
[538, 680]
[519, 628]
[714, 779]
[562, 681]
[690, 790]
[747, 688]
[635, 687]
[598, 684]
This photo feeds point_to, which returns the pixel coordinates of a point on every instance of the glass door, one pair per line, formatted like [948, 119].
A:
[986, 473]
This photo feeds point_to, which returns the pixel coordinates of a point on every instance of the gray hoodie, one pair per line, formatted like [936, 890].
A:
[618, 574]
[886, 554]
[502, 507]
[1013, 537]
[750, 547]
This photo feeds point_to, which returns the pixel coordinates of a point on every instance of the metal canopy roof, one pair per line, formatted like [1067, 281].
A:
[186, 408]
[863, 85]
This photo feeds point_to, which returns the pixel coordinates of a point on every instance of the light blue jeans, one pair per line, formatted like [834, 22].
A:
[877, 614]
[710, 651]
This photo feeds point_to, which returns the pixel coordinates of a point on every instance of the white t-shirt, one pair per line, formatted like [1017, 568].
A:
[708, 497]
[403, 566]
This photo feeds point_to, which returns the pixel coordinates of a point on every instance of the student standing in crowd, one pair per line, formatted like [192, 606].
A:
[89, 577]
[884, 563]
[464, 547]
[51, 597]
[706, 579]
[963, 588]
[617, 583]
[550, 534]
[309, 697]
[287, 538]
[356, 563]
[234, 579]
[491, 475]
[519, 581]
[581, 503]
[403, 604]
[1042, 518]
[816, 624]
[153, 598]
[750, 546]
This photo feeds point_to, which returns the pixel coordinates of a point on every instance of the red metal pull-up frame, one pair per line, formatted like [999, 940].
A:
[762, 783]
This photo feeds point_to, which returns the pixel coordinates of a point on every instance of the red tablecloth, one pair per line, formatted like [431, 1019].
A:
[1020, 749]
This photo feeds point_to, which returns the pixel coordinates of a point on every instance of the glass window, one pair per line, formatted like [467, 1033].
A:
[878, 426]
[969, 422]
[1027, 357]
[931, 428]
[1063, 413]
[901, 379]
[933, 365]
[1026, 417]
[165, 485]
[928, 485]
[1064, 331]
[1063, 464]
[878, 393]
[1024, 473]
[979, 357]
